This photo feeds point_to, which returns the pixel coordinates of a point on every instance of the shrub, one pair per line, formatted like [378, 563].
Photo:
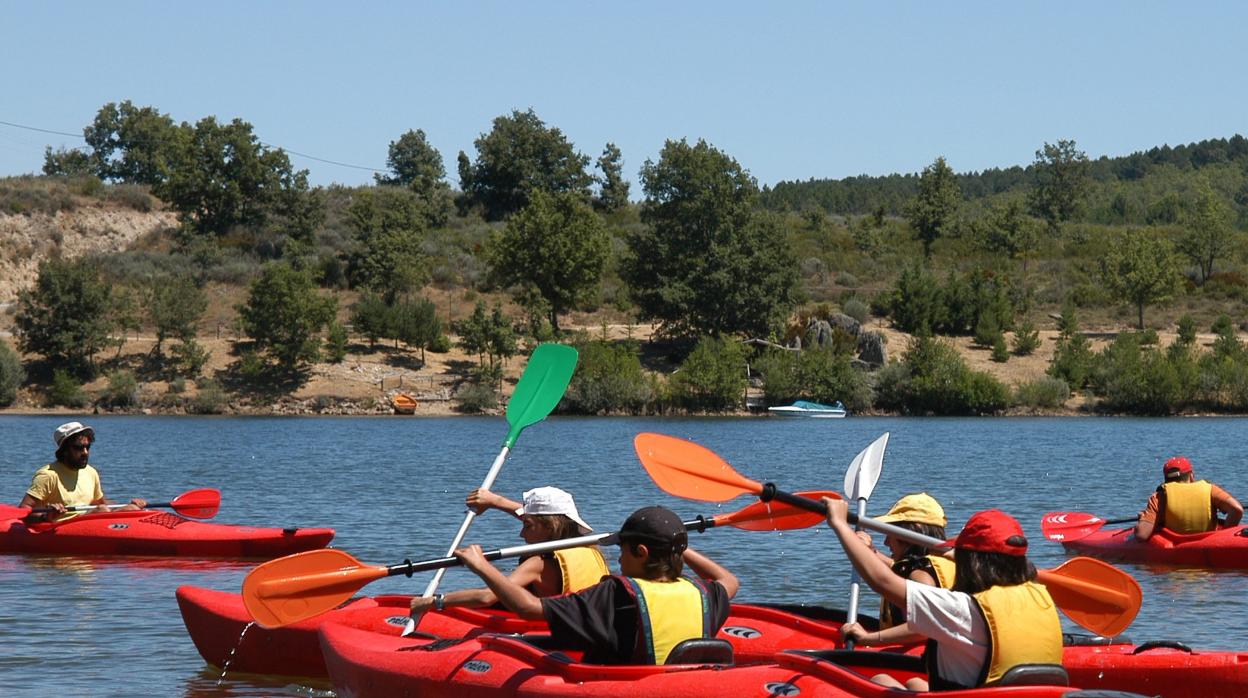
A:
[712, 377]
[936, 380]
[190, 357]
[440, 344]
[132, 196]
[1046, 392]
[475, 398]
[177, 386]
[11, 374]
[66, 390]
[987, 332]
[609, 378]
[1187, 330]
[1000, 353]
[211, 399]
[1026, 339]
[122, 390]
[336, 343]
[857, 309]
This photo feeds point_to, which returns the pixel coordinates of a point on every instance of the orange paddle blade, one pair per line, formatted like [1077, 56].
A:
[685, 469]
[198, 504]
[1094, 594]
[775, 515]
[292, 588]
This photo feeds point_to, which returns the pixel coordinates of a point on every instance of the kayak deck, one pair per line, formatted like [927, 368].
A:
[1225, 548]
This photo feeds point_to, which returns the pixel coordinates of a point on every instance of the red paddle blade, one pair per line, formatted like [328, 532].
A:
[198, 504]
[1094, 594]
[685, 469]
[1068, 526]
[774, 515]
[292, 588]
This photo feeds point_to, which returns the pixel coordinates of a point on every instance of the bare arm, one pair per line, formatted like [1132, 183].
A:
[896, 635]
[1233, 510]
[30, 502]
[878, 575]
[481, 499]
[528, 572]
[706, 568]
[512, 595]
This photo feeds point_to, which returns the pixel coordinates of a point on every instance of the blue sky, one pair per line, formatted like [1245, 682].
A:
[792, 90]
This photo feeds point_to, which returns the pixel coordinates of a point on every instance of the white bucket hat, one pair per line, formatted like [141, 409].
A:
[552, 500]
[69, 429]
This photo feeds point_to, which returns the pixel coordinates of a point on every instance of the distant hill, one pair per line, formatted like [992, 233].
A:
[1225, 160]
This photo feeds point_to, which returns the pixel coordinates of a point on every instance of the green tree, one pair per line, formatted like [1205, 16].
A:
[132, 144]
[284, 314]
[1208, 234]
[336, 340]
[609, 378]
[415, 323]
[415, 164]
[712, 377]
[67, 316]
[1141, 270]
[174, 306]
[931, 212]
[225, 177]
[1009, 232]
[613, 191]
[521, 154]
[11, 374]
[556, 245]
[64, 162]
[706, 261]
[1060, 180]
[474, 332]
[370, 316]
[386, 255]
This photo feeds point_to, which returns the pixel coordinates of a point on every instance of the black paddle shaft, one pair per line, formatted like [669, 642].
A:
[407, 567]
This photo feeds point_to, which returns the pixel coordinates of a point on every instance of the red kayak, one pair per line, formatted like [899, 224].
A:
[216, 619]
[363, 664]
[148, 532]
[1224, 547]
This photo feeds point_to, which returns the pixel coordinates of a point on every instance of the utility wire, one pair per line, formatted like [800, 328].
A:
[267, 145]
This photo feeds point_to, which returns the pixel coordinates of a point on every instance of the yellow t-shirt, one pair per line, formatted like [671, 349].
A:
[57, 483]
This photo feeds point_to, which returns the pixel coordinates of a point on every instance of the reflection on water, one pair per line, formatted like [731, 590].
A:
[394, 489]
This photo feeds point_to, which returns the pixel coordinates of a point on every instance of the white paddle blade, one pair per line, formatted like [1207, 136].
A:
[864, 472]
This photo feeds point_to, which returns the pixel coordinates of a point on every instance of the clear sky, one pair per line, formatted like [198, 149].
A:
[792, 90]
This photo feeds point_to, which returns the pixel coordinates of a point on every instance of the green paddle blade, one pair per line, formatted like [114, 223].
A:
[541, 387]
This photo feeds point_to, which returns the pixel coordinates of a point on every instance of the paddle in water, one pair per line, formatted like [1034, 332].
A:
[860, 481]
[1067, 526]
[539, 391]
[1097, 596]
[196, 504]
[290, 589]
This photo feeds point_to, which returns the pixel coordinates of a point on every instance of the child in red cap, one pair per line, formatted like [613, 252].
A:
[995, 617]
[1184, 504]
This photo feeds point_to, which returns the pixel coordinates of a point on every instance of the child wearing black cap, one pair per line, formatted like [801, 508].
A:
[995, 616]
[614, 621]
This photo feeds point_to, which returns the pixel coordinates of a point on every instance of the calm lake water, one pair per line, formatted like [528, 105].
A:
[393, 488]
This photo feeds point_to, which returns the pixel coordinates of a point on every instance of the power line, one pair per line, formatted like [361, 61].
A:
[267, 145]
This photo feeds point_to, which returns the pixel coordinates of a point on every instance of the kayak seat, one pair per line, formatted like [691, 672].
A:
[1035, 675]
[546, 643]
[701, 650]
[1082, 640]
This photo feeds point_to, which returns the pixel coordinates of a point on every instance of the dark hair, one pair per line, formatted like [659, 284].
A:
[662, 561]
[929, 530]
[978, 571]
[558, 525]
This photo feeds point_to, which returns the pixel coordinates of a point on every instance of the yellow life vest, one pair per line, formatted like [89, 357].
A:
[667, 614]
[1024, 625]
[581, 568]
[942, 568]
[1187, 506]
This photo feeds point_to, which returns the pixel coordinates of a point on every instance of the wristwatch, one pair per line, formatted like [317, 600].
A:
[439, 602]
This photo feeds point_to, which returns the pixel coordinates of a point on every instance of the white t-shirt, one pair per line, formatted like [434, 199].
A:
[953, 620]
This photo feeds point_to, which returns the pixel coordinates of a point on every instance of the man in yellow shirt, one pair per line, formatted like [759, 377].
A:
[69, 481]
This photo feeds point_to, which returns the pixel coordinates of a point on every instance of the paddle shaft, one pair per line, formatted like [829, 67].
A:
[770, 492]
[93, 507]
[409, 568]
[463, 527]
[851, 615]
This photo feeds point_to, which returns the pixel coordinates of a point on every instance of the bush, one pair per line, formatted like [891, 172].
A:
[1000, 353]
[936, 380]
[177, 386]
[856, 309]
[1187, 330]
[123, 389]
[132, 196]
[211, 399]
[336, 343]
[440, 344]
[190, 357]
[11, 374]
[609, 378]
[1026, 339]
[987, 332]
[712, 377]
[66, 390]
[475, 398]
[1046, 392]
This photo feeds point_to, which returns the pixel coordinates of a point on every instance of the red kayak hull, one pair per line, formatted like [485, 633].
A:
[157, 533]
[215, 620]
[1225, 548]
[363, 664]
